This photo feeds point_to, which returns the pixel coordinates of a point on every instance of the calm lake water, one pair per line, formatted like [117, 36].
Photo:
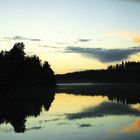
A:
[78, 112]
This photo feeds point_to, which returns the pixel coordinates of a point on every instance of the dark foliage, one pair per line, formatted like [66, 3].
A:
[127, 72]
[18, 69]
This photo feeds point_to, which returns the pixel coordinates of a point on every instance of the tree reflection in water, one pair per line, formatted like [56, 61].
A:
[16, 104]
[125, 93]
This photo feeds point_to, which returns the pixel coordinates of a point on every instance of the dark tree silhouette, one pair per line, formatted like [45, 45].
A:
[17, 51]
[18, 69]
[127, 72]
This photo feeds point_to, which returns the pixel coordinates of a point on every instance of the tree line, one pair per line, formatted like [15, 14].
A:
[17, 68]
[125, 72]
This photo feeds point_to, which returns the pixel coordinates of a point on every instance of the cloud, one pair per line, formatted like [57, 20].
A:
[104, 55]
[81, 40]
[52, 49]
[84, 40]
[22, 38]
[47, 46]
[103, 109]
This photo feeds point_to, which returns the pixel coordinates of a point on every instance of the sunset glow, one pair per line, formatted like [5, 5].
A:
[49, 27]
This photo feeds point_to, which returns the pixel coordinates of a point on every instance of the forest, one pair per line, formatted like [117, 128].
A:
[19, 69]
[126, 72]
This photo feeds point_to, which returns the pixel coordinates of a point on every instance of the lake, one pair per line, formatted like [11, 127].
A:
[78, 112]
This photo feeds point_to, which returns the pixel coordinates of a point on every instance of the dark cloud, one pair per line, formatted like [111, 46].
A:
[104, 55]
[22, 38]
[103, 109]
[84, 40]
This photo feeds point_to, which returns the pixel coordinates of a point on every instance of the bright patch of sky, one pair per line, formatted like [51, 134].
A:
[49, 27]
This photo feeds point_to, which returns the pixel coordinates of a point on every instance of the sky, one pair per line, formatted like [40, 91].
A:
[73, 35]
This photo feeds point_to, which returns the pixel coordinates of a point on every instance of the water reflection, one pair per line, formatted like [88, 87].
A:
[133, 127]
[104, 109]
[69, 103]
[77, 112]
[18, 104]
[121, 93]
